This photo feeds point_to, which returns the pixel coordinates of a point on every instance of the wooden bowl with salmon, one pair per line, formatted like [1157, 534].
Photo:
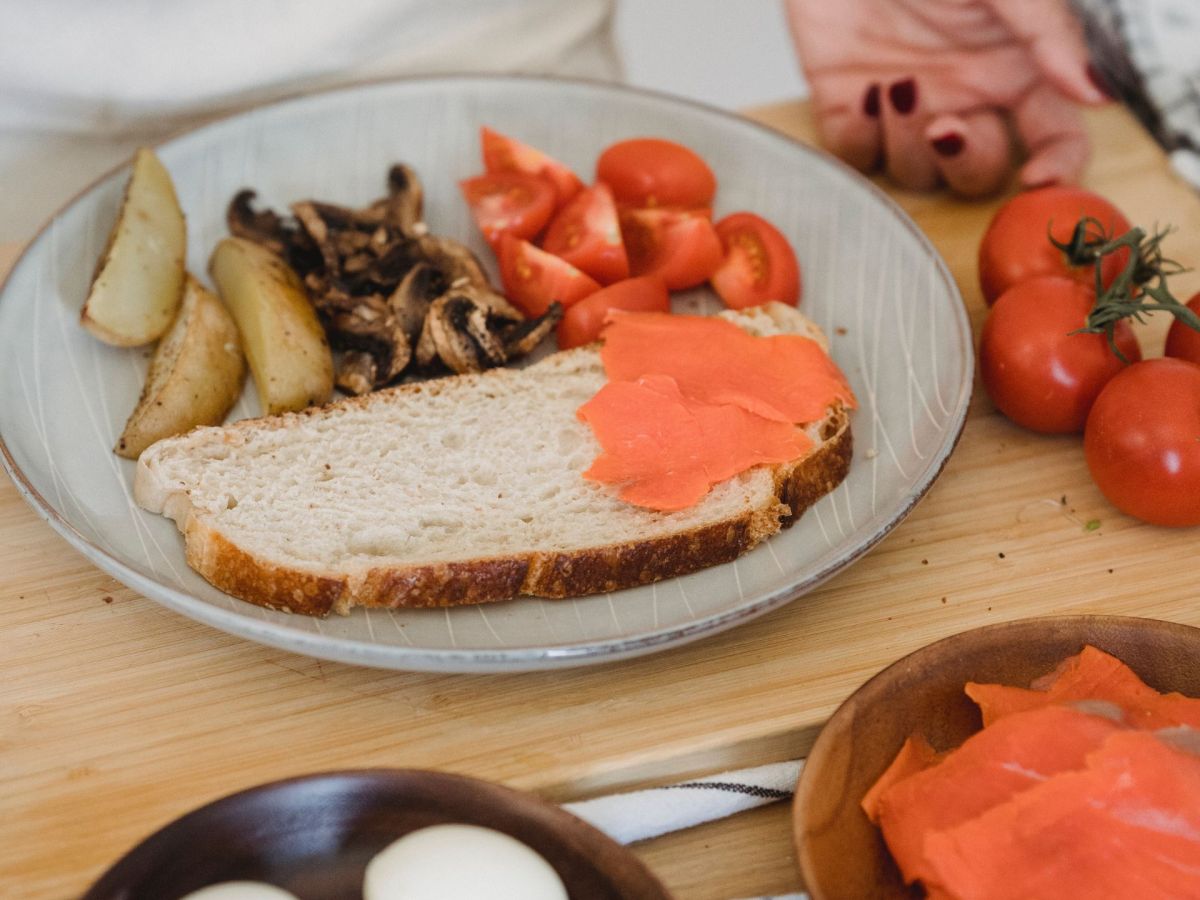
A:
[883, 726]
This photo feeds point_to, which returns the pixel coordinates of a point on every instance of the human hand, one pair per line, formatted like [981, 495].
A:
[927, 88]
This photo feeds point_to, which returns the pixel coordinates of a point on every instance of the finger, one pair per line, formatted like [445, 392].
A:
[907, 155]
[1054, 38]
[972, 152]
[1051, 127]
[848, 124]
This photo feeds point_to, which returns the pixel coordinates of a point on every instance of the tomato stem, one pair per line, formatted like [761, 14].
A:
[1086, 245]
[1141, 285]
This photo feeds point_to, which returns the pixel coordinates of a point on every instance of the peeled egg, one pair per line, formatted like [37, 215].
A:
[241, 890]
[450, 862]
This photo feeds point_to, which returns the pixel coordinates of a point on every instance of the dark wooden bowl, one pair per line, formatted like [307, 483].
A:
[841, 854]
[315, 835]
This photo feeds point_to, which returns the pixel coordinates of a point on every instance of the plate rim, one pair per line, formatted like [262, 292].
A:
[520, 658]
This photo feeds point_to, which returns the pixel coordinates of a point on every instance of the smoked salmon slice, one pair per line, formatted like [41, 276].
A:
[783, 377]
[915, 755]
[1018, 751]
[1126, 826]
[1091, 674]
[667, 450]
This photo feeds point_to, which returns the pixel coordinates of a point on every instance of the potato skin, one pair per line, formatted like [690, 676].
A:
[139, 278]
[195, 375]
[284, 342]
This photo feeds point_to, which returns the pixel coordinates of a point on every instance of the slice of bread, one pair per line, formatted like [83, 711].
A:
[463, 490]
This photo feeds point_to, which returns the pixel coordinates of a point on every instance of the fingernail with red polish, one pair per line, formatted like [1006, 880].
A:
[871, 102]
[903, 95]
[1099, 82]
[949, 144]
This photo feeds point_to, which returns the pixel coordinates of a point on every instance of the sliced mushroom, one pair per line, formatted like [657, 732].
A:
[404, 206]
[367, 325]
[521, 339]
[453, 346]
[426, 351]
[472, 319]
[312, 222]
[356, 372]
[263, 227]
[412, 298]
[452, 257]
[463, 269]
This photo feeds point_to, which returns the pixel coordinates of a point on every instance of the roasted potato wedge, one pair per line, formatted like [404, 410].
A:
[195, 375]
[284, 343]
[139, 278]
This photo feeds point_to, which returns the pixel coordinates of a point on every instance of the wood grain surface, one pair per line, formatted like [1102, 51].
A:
[117, 715]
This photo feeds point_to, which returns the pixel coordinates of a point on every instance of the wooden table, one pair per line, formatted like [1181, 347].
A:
[117, 715]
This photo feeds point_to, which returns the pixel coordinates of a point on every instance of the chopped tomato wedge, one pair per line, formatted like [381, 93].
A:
[653, 172]
[586, 234]
[533, 278]
[759, 265]
[504, 154]
[680, 246]
[509, 203]
[581, 324]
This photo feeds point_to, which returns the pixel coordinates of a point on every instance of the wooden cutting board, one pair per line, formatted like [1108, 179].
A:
[117, 715]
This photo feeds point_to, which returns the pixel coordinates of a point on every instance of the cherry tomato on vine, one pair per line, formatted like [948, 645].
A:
[1036, 372]
[647, 172]
[759, 264]
[1142, 441]
[1184, 342]
[1016, 247]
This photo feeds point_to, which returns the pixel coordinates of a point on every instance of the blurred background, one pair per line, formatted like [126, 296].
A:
[732, 55]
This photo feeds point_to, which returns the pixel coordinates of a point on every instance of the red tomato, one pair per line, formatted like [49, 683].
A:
[1183, 342]
[1016, 247]
[533, 278]
[505, 154]
[587, 235]
[1036, 372]
[508, 203]
[759, 263]
[1142, 441]
[581, 324]
[654, 172]
[679, 246]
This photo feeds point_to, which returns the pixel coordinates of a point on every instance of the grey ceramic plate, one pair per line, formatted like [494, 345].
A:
[871, 280]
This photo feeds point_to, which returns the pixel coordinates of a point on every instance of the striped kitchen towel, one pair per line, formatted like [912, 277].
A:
[638, 815]
[1149, 52]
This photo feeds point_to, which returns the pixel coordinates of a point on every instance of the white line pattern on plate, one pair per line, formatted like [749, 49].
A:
[400, 628]
[933, 350]
[771, 550]
[686, 602]
[483, 615]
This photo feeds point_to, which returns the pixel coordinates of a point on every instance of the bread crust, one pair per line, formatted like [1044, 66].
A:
[552, 575]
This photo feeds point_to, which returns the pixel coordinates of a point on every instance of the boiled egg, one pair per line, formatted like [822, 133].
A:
[450, 862]
[241, 890]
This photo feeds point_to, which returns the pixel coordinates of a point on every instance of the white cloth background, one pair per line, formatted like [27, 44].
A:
[83, 83]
